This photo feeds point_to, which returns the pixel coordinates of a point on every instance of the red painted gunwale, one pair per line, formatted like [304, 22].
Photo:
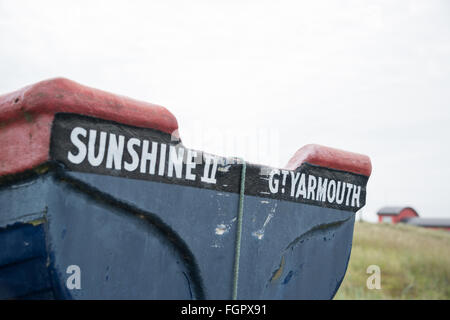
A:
[26, 117]
[331, 158]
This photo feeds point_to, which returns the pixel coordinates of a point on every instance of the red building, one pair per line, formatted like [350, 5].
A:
[410, 216]
[395, 214]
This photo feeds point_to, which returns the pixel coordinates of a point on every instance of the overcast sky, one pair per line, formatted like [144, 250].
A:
[260, 79]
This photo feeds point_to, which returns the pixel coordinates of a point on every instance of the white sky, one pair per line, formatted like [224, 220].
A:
[366, 76]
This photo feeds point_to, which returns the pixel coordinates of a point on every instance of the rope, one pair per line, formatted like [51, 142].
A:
[239, 233]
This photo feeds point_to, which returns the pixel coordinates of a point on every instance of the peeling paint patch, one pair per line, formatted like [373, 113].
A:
[37, 222]
[277, 273]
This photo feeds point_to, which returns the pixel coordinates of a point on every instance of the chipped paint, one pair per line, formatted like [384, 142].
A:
[277, 274]
[221, 229]
[37, 222]
[224, 228]
[224, 169]
[258, 234]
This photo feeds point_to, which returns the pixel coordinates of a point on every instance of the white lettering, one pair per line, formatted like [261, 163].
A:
[356, 196]
[274, 183]
[162, 159]
[190, 164]
[294, 179]
[175, 162]
[301, 190]
[79, 158]
[340, 197]
[321, 189]
[134, 155]
[331, 187]
[212, 178]
[96, 160]
[349, 189]
[148, 156]
[115, 152]
[312, 183]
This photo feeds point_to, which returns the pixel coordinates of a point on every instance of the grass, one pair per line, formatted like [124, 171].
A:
[414, 263]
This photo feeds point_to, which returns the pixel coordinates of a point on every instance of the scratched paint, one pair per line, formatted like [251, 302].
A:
[259, 234]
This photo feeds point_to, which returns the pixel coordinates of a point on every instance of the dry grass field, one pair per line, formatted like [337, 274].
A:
[414, 263]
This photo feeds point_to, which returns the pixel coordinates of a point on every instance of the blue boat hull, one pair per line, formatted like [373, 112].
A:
[135, 239]
[100, 199]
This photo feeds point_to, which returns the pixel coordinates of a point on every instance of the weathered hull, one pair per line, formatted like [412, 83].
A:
[169, 229]
[178, 251]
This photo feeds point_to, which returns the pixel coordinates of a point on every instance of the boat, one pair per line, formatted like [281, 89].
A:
[100, 199]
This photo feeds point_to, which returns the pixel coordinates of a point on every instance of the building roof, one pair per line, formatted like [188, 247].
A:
[428, 222]
[393, 211]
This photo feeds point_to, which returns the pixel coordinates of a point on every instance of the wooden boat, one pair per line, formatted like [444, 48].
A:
[99, 199]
